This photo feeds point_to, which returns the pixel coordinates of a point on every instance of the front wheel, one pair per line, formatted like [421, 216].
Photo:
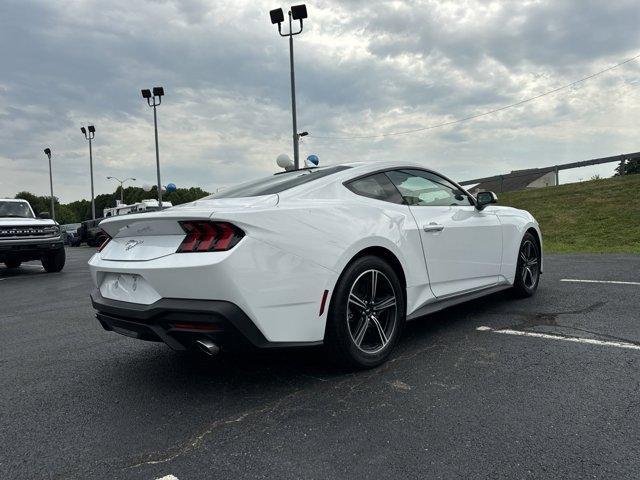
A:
[12, 263]
[366, 315]
[54, 261]
[528, 267]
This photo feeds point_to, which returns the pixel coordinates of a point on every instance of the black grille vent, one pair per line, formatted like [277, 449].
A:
[28, 231]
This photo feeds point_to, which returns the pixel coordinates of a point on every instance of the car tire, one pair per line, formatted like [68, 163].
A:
[362, 329]
[12, 263]
[528, 267]
[54, 261]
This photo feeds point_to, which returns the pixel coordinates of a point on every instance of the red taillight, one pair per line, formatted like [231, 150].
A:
[204, 236]
[104, 242]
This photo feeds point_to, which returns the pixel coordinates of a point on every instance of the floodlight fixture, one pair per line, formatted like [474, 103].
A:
[303, 134]
[47, 152]
[92, 129]
[158, 91]
[83, 130]
[299, 12]
[277, 16]
[146, 93]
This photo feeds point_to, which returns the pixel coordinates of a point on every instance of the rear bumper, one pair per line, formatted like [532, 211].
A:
[31, 249]
[278, 291]
[180, 322]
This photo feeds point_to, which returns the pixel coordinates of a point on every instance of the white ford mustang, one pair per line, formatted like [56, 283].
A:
[340, 255]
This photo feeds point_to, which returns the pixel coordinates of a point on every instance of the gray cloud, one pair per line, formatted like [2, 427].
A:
[362, 67]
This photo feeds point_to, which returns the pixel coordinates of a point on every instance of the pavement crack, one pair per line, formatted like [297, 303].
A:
[194, 442]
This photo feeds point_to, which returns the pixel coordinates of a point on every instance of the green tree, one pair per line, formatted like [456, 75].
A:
[630, 167]
[39, 203]
[80, 210]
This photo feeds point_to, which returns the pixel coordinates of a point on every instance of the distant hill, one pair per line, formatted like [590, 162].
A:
[594, 216]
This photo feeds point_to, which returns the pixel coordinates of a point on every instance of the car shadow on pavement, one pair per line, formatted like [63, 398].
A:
[289, 364]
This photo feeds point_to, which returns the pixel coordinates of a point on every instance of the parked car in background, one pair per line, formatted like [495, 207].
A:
[90, 233]
[70, 234]
[341, 255]
[149, 205]
[24, 237]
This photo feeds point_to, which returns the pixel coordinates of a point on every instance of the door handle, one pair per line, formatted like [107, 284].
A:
[433, 227]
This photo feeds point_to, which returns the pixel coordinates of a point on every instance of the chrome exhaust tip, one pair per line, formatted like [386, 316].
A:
[208, 347]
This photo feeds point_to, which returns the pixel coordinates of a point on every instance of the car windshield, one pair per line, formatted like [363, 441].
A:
[277, 183]
[15, 209]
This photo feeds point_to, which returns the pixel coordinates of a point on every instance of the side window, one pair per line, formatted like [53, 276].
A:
[422, 188]
[376, 186]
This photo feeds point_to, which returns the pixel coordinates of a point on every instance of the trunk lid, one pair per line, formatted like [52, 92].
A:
[147, 236]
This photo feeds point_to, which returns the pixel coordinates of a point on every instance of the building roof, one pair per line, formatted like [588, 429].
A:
[516, 180]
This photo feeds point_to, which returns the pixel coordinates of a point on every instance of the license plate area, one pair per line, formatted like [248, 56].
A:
[128, 287]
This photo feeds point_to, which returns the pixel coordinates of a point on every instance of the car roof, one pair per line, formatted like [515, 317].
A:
[16, 200]
[356, 170]
[364, 167]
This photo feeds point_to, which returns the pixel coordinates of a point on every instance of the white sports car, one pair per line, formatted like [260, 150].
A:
[340, 255]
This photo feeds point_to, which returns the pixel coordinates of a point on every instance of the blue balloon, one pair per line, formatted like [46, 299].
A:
[313, 159]
[171, 187]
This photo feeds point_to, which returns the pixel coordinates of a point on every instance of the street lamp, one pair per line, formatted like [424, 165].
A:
[121, 182]
[47, 152]
[154, 101]
[90, 135]
[297, 12]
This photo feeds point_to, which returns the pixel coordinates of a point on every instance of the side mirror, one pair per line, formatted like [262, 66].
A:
[485, 198]
[44, 215]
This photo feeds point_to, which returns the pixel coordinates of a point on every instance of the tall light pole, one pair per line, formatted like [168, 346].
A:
[90, 135]
[155, 101]
[47, 152]
[297, 12]
[121, 182]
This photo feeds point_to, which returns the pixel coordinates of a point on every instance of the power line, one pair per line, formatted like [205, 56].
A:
[477, 115]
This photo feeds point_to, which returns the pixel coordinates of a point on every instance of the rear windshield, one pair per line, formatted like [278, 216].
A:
[277, 183]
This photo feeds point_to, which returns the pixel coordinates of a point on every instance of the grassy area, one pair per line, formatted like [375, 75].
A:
[594, 216]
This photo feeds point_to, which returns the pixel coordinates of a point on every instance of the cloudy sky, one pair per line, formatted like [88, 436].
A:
[364, 67]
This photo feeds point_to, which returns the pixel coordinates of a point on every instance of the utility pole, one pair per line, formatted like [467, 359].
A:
[296, 149]
[155, 101]
[47, 152]
[90, 135]
[121, 188]
[297, 12]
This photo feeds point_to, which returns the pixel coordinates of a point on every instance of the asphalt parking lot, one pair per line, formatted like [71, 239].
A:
[461, 398]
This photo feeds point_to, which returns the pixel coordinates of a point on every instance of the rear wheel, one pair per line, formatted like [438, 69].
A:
[54, 261]
[366, 315]
[12, 263]
[528, 267]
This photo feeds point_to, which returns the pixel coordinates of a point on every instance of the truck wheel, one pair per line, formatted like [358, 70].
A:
[54, 261]
[12, 263]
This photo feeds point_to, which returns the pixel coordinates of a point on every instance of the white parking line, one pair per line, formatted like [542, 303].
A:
[548, 336]
[168, 477]
[598, 281]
